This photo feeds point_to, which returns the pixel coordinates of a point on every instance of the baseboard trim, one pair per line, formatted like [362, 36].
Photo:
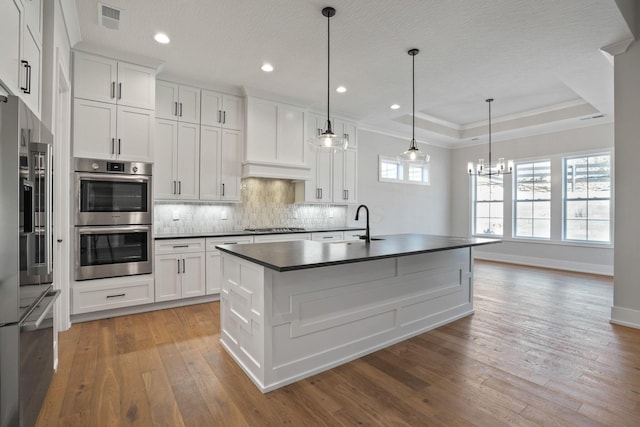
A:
[581, 267]
[625, 317]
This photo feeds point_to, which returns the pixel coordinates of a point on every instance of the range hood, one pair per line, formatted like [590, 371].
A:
[259, 169]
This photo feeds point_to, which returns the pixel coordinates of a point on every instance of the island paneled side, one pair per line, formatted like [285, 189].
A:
[281, 327]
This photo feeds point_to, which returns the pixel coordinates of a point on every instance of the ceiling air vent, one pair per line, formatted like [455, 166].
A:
[108, 16]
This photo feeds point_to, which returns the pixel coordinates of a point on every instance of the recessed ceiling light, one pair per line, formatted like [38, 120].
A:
[395, 106]
[162, 38]
[267, 68]
[341, 89]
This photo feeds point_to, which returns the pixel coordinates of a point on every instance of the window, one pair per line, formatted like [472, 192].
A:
[587, 198]
[488, 205]
[532, 210]
[393, 170]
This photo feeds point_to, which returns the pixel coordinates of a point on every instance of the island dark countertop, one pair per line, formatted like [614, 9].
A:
[299, 255]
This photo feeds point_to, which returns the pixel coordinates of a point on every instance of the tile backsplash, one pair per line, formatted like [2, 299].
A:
[265, 203]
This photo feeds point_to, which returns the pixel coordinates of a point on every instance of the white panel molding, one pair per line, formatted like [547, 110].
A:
[581, 267]
[625, 317]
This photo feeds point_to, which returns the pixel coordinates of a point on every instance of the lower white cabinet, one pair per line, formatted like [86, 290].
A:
[288, 237]
[105, 294]
[214, 273]
[179, 269]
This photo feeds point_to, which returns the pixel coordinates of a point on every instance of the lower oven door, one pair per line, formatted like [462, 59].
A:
[112, 251]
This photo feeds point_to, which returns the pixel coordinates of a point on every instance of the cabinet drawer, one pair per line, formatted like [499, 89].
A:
[95, 297]
[230, 240]
[179, 246]
[327, 236]
[289, 237]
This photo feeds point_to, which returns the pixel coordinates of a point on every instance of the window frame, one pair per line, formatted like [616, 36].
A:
[515, 201]
[566, 199]
[475, 202]
[403, 173]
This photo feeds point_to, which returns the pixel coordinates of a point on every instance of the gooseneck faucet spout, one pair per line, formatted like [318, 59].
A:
[367, 236]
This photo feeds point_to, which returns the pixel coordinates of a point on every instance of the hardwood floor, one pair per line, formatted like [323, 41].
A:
[539, 350]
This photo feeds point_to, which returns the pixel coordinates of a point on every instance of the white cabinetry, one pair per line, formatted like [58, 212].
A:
[113, 116]
[348, 130]
[219, 164]
[21, 59]
[108, 131]
[221, 110]
[214, 274]
[328, 236]
[107, 80]
[274, 145]
[288, 237]
[334, 175]
[88, 296]
[177, 102]
[176, 160]
[179, 269]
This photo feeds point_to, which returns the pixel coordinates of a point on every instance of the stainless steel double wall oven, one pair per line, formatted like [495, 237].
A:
[113, 218]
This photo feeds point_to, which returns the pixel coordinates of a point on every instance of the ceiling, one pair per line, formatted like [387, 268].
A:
[540, 60]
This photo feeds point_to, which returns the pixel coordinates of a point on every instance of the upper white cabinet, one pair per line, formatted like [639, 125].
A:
[107, 131]
[21, 58]
[107, 80]
[177, 102]
[219, 164]
[334, 177]
[176, 165]
[113, 114]
[11, 34]
[274, 146]
[348, 130]
[221, 110]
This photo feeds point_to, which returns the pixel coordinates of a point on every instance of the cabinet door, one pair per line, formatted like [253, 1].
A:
[213, 273]
[230, 165]
[189, 105]
[94, 77]
[211, 108]
[324, 176]
[231, 112]
[165, 154]
[94, 129]
[210, 139]
[136, 86]
[135, 134]
[188, 163]
[11, 34]
[166, 100]
[32, 53]
[350, 185]
[167, 277]
[33, 16]
[193, 275]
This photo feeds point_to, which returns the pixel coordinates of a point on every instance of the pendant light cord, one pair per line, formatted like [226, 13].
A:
[489, 101]
[413, 90]
[328, 69]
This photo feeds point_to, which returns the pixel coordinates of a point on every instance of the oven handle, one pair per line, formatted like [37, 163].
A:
[40, 312]
[109, 229]
[111, 177]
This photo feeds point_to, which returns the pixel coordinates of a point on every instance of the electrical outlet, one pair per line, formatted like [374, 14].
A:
[223, 214]
[330, 213]
[176, 215]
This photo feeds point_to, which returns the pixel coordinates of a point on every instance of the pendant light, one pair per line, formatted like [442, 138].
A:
[413, 154]
[490, 169]
[328, 140]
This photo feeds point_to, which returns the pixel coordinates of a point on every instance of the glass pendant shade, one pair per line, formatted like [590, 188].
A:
[328, 140]
[413, 153]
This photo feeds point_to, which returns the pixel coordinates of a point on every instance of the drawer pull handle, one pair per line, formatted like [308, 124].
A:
[328, 237]
[115, 296]
[180, 246]
[230, 243]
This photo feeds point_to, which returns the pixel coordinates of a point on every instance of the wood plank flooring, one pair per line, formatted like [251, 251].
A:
[539, 350]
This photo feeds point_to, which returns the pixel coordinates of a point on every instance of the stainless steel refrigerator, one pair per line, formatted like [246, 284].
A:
[26, 264]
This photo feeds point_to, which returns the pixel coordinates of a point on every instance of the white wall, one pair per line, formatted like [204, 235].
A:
[626, 294]
[401, 208]
[549, 146]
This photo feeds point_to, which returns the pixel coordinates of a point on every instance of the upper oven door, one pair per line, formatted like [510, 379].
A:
[110, 199]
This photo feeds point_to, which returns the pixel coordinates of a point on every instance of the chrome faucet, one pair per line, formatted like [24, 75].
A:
[367, 236]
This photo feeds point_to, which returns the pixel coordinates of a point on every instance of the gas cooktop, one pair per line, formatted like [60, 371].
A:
[274, 230]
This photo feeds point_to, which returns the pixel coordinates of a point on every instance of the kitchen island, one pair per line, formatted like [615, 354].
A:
[292, 309]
